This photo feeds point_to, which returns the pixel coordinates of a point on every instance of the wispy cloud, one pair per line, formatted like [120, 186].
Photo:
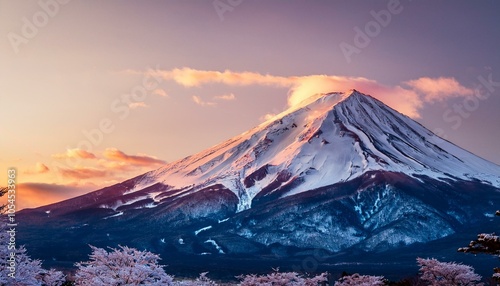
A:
[81, 173]
[116, 166]
[201, 102]
[267, 116]
[407, 97]
[75, 153]
[225, 97]
[135, 105]
[39, 168]
[160, 92]
[438, 89]
[229, 96]
[140, 160]
[405, 101]
[112, 165]
[191, 77]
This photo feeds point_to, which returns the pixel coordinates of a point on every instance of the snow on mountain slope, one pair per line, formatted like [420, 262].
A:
[326, 139]
[339, 172]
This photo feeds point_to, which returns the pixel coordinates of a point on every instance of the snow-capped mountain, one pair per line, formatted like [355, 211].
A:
[328, 139]
[338, 171]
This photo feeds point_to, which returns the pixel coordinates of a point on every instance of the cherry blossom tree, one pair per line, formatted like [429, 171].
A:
[123, 266]
[27, 271]
[53, 278]
[203, 280]
[485, 243]
[488, 243]
[438, 273]
[17, 268]
[361, 280]
[3, 191]
[24, 271]
[281, 279]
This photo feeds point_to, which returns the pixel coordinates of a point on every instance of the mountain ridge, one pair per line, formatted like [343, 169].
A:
[330, 104]
[341, 172]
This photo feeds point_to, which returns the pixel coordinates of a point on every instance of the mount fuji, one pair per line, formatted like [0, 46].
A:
[341, 172]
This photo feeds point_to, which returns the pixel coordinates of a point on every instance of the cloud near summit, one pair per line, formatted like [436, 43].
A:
[407, 97]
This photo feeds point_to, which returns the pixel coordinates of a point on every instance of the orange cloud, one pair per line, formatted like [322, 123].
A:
[190, 77]
[141, 160]
[306, 86]
[438, 89]
[267, 117]
[160, 92]
[81, 173]
[39, 194]
[39, 168]
[75, 153]
[116, 165]
[407, 98]
[405, 101]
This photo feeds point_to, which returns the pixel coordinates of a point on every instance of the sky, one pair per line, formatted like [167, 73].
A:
[96, 92]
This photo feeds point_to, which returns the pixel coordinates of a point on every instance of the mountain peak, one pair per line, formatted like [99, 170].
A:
[321, 102]
[355, 94]
[334, 98]
[352, 91]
